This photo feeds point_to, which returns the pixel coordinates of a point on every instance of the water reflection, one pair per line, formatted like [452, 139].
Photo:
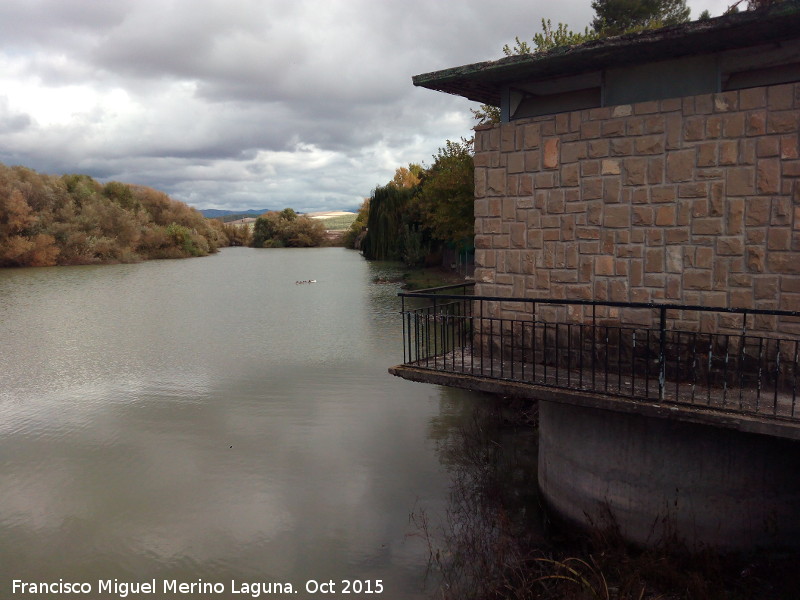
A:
[493, 519]
[209, 418]
[492, 541]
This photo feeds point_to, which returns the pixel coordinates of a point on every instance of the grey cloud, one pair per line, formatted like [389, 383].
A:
[248, 103]
[12, 121]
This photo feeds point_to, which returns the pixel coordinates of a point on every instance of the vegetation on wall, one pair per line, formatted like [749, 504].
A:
[74, 219]
[751, 5]
[614, 17]
[550, 38]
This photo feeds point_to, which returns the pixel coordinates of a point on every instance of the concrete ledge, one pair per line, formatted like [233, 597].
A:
[690, 414]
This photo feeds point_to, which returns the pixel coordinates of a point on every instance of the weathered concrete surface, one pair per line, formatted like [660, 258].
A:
[689, 414]
[712, 478]
[709, 485]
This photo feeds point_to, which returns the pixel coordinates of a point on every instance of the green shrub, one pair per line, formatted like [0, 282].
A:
[286, 229]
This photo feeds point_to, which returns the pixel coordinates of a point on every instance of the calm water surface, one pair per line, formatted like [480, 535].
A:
[210, 418]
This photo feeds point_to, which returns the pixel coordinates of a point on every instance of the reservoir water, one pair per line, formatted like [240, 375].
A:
[211, 419]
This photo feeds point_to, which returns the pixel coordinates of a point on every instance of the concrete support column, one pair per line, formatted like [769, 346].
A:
[711, 486]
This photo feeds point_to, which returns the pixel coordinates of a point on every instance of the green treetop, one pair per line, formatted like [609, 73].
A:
[614, 17]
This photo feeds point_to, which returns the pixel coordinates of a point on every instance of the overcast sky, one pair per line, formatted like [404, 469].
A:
[240, 104]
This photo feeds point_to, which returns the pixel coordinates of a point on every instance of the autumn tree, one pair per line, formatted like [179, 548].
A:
[121, 194]
[288, 214]
[73, 219]
[393, 214]
[238, 235]
[20, 244]
[305, 232]
[407, 177]
[287, 229]
[265, 228]
[446, 195]
[421, 210]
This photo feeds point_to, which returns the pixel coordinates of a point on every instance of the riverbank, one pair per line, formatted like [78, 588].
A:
[499, 542]
[424, 278]
[431, 277]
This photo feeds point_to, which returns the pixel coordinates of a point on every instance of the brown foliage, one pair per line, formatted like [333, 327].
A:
[286, 230]
[73, 219]
[238, 235]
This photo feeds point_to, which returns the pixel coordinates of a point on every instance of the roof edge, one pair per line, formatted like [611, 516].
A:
[774, 23]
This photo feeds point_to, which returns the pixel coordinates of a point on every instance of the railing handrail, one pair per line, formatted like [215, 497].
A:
[727, 369]
[643, 305]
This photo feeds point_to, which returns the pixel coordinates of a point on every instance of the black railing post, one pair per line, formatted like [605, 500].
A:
[662, 352]
[482, 343]
[777, 376]
[417, 335]
[740, 364]
[533, 341]
[435, 317]
[403, 317]
[407, 321]
[794, 376]
[594, 346]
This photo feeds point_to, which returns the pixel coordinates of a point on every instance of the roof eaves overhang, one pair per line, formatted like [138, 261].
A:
[483, 82]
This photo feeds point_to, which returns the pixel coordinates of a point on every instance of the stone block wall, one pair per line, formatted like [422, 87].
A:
[692, 200]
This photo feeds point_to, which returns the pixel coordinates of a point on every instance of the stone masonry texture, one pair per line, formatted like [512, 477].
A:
[691, 200]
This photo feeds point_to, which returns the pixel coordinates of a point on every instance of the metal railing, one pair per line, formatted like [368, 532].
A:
[720, 358]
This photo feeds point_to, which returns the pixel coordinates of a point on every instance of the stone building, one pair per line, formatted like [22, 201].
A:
[633, 184]
[661, 166]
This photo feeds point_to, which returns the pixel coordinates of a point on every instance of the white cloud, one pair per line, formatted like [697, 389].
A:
[246, 103]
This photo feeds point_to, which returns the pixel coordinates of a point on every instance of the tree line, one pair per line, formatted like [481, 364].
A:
[420, 211]
[410, 219]
[48, 220]
[287, 229]
[279, 229]
[74, 220]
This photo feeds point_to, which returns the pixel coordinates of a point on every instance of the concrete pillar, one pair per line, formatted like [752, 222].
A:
[711, 486]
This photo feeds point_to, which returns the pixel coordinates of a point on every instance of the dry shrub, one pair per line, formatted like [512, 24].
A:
[73, 219]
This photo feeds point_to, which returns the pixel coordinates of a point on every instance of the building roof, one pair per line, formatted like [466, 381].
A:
[483, 82]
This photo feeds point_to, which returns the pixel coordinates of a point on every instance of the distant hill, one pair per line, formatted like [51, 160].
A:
[335, 220]
[215, 213]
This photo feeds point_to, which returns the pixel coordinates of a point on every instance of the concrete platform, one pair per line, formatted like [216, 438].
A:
[707, 415]
[707, 476]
